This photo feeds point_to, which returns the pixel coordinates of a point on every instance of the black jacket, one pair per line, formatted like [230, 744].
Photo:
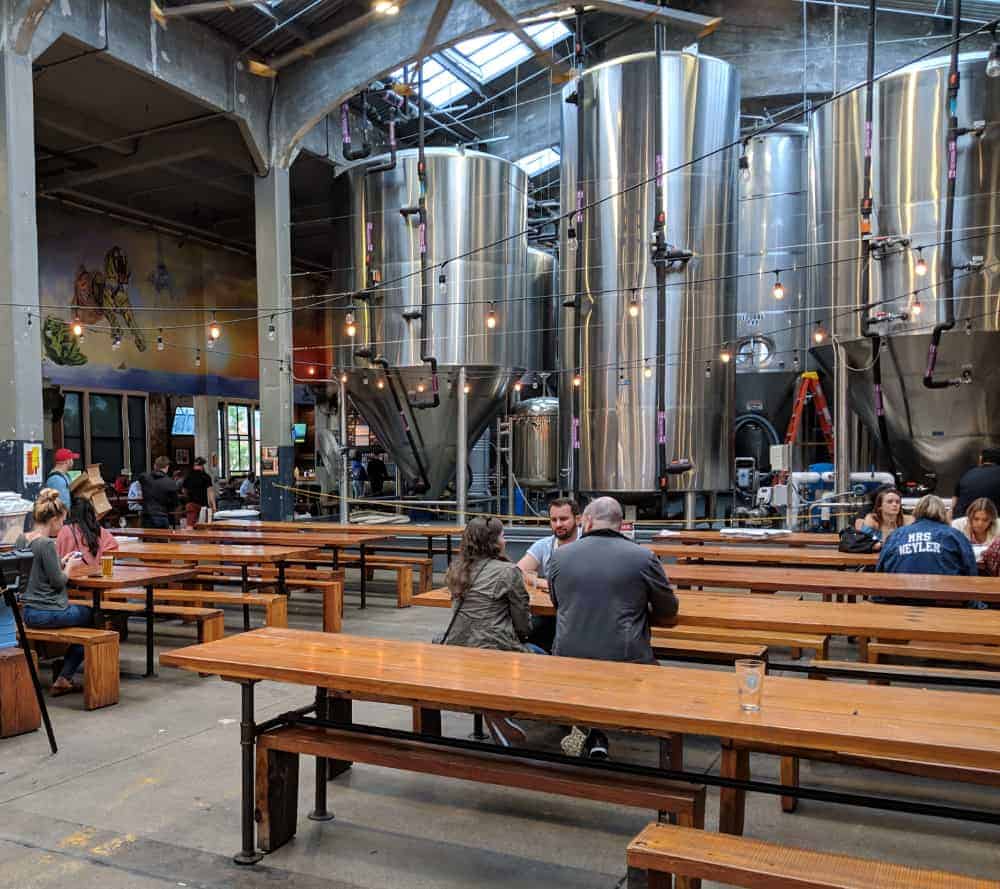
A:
[159, 494]
[605, 589]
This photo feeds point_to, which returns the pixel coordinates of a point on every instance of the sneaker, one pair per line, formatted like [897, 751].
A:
[572, 744]
[596, 745]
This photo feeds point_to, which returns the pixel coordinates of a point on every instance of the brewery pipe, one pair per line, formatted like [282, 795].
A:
[345, 482]
[461, 448]
[354, 154]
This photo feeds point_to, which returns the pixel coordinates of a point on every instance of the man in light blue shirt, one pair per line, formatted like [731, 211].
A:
[564, 518]
[58, 478]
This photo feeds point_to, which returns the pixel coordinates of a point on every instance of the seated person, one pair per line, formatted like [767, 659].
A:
[83, 533]
[980, 523]
[490, 605]
[991, 559]
[929, 546]
[886, 516]
[607, 591]
[248, 488]
[564, 520]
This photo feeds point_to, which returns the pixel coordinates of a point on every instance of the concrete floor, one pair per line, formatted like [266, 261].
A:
[146, 794]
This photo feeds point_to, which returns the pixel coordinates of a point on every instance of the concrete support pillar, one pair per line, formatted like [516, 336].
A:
[21, 417]
[272, 212]
[206, 432]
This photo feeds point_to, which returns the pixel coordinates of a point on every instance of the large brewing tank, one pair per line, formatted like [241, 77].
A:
[938, 431]
[542, 287]
[771, 334]
[473, 200]
[535, 432]
[627, 425]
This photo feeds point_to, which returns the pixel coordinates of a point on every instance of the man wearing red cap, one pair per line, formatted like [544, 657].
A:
[58, 477]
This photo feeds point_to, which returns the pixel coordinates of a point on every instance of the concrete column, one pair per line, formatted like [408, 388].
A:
[206, 432]
[21, 418]
[272, 212]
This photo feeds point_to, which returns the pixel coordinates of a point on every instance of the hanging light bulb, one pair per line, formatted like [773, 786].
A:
[311, 371]
[744, 163]
[778, 291]
[467, 389]
[116, 342]
[160, 346]
[968, 327]
[725, 356]
[380, 384]
[420, 388]
[28, 318]
[819, 334]
[210, 345]
[517, 386]
[271, 332]
[442, 283]
[197, 357]
[571, 243]
[214, 331]
[577, 380]
[993, 62]
[796, 362]
[343, 378]
[647, 371]
[351, 328]
[491, 318]
[708, 370]
[76, 328]
[921, 266]
[915, 306]
[633, 306]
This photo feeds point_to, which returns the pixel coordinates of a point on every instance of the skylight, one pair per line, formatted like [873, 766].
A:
[539, 161]
[483, 58]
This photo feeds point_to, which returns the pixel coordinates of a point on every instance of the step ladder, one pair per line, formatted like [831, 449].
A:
[808, 387]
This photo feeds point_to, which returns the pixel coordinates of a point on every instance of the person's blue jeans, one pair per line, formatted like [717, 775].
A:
[71, 616]
[155, 521]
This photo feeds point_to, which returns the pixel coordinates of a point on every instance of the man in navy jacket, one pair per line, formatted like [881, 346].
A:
[928, 546]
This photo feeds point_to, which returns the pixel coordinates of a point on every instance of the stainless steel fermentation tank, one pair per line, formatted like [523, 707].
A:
[543, 288]
[936, 431]
[626, 425]
[772, 340]
[535, 433]
[472, 200]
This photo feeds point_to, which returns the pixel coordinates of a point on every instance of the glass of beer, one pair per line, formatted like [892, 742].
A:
[750, 677]
[107, 565]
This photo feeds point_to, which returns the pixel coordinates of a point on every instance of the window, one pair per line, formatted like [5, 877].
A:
[137, 434]
[107, 441]
[107, 428]
[539, 161]
[183, 421]
[483, 58]
[73, 422]
[238, 438]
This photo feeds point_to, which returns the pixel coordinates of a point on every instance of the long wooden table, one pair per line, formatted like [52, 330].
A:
[243, 555]
[937, 587]
[819, 557]
[333, 541]
[794, 538]
[960, 730]
[82, 577]
[792, 616]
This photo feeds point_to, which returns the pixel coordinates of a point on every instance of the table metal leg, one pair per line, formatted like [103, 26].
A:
[364, 574]
[282, 586]
[339, 710]
[319, 812]
[95, 610]
[150, 657]
[430, 547]
[248, 854]
[245, 586]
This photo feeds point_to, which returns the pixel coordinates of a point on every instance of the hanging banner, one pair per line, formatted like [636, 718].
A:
[32, 463]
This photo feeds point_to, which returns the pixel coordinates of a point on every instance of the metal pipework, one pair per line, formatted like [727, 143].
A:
[461, 448]
[345, 481]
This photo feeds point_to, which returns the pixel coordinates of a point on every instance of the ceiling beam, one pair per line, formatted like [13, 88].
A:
[665, 15]
[283, 22]
[85, 127]
[164, 13]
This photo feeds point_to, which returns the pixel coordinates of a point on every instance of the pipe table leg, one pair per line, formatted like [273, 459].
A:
[248, 854]
[319, 812]
[150, 656]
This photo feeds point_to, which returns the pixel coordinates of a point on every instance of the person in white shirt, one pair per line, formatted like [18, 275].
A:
[564, 520]
[248, 489]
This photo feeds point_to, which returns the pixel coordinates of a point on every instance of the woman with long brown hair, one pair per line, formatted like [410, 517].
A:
[886, 516]
[980, 523]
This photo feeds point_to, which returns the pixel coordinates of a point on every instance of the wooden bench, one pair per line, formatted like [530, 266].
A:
[19, 711]
[100, 660]
[210, 621]
[878, 673]
[985, 655]
[795, 641]
[274, 604]
[267, 579]
[403, 566]
[662, 850]
[667, 648]
[278, 767]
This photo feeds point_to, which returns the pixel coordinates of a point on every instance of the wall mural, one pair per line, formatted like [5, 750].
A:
[126, 284]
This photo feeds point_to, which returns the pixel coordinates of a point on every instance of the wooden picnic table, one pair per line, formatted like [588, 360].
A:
[243, 555]
[333, 541]
[909, 623]
[83, 577]
[937, 587]
[400, 530]
[823, 557]
[959, 730]
[795, 538]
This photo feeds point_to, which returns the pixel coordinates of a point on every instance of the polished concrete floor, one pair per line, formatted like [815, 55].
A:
[145, 795]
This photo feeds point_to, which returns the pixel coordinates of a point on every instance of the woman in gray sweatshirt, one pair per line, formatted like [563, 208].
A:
[46, 604]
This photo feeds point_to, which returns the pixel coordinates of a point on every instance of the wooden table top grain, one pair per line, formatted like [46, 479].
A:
[87, 578]
[206, 552]
[401, 530]
[765, 555]
[931, 726]
[795, 538]
[260, 538]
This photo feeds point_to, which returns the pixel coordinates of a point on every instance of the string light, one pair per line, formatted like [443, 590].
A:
[915, 306]
[420, 387]
[968, 327]
[311, 371]
[160, 346]
[571, 244]
[725, 356]
[116, 342]
[819, 334]
[517, 386]
[442, 283]
[351, 328]
[380, 384]
[197, 357]
[210, 345]
[633, 306]
[385, 7]
[744, 162]
[577, 380]
[921, 266]
[214, 331]
[647, 371]
[796, 362]
[77, 327]
[778, 291]
[467, 389]
[343, 378]
[271, 332]
[491, 318]
[708, 370]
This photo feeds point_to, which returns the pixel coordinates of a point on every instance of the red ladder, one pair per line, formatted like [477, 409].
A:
[809, 387]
